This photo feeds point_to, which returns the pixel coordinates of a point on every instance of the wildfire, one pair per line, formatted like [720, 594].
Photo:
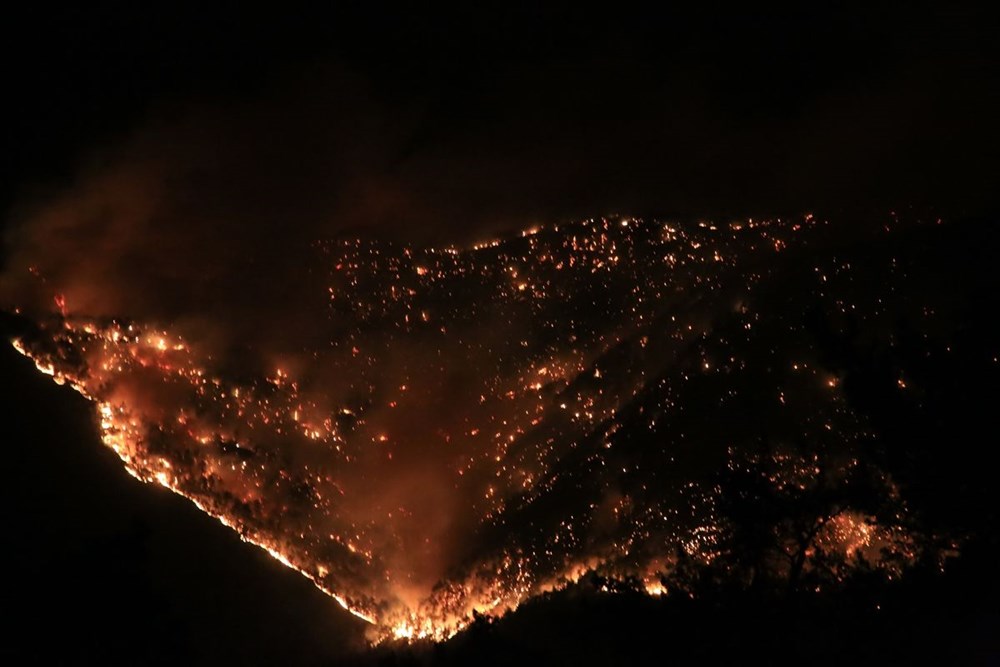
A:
[503, 432]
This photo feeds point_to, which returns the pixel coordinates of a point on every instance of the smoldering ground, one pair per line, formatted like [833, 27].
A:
[201, 218]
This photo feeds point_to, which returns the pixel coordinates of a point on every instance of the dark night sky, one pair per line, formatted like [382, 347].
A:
[438, 126]
[499, 117]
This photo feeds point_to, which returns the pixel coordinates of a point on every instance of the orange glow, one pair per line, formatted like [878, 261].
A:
[484, 406]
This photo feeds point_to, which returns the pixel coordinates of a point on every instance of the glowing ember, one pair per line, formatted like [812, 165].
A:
[482, 426]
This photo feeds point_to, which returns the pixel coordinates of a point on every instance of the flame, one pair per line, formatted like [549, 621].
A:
[296, 468]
